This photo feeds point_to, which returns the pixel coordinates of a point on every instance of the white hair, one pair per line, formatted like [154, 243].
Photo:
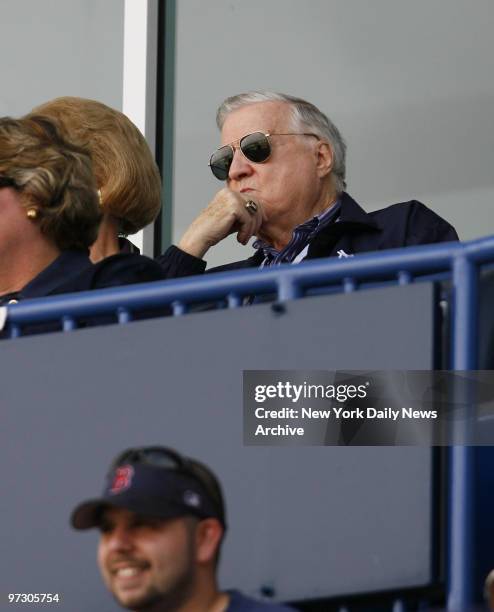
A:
[305, 116]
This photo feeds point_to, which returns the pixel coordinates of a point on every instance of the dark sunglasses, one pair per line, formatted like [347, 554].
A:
[256, 147]
[168, 459]
[6, 181]
[157, 456]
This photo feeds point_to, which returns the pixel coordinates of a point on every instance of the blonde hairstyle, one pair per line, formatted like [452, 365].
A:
[488, 587]
[52, 175]
[125, 170]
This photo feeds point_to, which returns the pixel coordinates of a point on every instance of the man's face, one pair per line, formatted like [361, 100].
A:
[146, 561]
[288, 184]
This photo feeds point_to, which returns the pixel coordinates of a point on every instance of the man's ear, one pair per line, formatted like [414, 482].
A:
[324, 154]
[208, 538]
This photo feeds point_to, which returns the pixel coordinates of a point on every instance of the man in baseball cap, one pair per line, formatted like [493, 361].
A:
[162, 520]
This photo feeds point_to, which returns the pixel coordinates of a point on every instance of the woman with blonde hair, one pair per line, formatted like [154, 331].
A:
[126, 175]
[50, 215]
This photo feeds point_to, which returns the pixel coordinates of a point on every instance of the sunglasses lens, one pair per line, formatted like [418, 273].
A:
[256, 147]
[159, 459]
[7, 182]
[149, 455]
[220, 162]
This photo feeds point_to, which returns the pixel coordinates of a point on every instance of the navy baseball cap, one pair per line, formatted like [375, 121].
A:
[155, 481]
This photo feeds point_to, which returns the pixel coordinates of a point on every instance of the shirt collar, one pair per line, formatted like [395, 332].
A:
[311, 226]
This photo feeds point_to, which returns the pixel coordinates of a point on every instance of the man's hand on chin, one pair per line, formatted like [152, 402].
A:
[228, 212]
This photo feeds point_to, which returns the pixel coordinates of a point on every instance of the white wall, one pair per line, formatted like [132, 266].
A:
[408, 83]
[53, 48]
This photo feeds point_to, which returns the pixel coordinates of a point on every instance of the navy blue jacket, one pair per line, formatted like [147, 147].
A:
[404, 224]
[241, 603]
[73, 271]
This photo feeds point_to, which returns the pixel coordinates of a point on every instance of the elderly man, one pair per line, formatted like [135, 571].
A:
[162, 520]
[283, 162]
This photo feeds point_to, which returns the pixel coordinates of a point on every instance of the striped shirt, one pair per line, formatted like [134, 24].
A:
[301, 238]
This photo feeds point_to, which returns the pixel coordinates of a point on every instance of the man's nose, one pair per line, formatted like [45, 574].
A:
[240, 167]
[120, 539]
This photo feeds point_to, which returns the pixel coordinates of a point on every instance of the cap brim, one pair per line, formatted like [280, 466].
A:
[88, 514]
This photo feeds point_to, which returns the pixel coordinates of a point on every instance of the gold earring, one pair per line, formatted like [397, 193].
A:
[32, 213]
[100, 197]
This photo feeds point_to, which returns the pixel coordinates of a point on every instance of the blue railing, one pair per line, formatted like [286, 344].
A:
[459, 263]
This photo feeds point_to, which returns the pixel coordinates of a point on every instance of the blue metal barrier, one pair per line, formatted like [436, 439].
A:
[459, 263]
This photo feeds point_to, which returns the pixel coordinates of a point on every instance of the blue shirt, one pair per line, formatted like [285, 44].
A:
[301, 237]
[241, 603]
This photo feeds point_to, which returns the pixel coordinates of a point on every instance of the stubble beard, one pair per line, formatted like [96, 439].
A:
[170, 599]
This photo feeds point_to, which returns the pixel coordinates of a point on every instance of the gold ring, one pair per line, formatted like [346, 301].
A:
[251, 207]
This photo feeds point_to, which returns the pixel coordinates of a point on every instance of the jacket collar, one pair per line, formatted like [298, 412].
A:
[353, 213]
[65, 266]
[126, 246]
[352, 218]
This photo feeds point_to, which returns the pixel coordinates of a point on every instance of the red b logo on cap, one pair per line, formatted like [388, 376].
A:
[122, 479]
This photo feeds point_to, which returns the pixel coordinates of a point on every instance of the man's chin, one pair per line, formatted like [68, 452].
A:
[152, 600]
[136, 600]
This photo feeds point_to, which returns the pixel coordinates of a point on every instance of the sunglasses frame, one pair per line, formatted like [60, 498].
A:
[178, 463]
[239, 146]
[6, 181]
[142, 455]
